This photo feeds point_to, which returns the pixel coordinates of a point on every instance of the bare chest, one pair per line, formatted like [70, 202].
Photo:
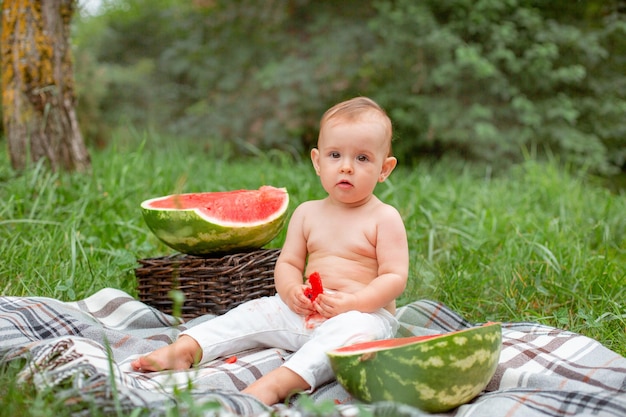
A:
[342, 236]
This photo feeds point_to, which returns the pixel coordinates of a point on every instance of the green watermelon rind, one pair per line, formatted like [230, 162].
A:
[190, 231]
[434, 375]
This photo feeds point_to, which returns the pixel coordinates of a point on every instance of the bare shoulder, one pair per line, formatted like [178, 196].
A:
[309, 203]
[307, 207]
[304, 213]
[387, 213]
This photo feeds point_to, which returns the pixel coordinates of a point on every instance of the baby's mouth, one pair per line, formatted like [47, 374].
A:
[344, 183]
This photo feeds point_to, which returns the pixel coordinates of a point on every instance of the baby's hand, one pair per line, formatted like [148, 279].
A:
[330, 304]
[299, 302]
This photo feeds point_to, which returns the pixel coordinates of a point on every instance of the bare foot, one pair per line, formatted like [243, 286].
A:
[181, 354]
[276, 386]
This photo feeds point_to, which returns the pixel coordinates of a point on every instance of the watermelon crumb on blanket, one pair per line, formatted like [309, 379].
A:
[217, 222]
[316, 286]
[435, 373]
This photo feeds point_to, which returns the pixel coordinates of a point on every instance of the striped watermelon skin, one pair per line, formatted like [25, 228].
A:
[434, 374]
[191, 231]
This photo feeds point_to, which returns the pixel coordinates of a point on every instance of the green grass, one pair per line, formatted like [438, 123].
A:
[534, 244]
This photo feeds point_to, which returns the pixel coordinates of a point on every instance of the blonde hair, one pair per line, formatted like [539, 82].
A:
[357, 108]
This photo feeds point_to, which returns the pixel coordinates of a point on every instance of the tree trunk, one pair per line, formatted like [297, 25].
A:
[38, 96]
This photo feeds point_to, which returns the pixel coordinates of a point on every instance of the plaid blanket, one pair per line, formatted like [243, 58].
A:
[83, 351]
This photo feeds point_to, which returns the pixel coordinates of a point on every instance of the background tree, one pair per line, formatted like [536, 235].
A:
[486, 81]
[38, 98]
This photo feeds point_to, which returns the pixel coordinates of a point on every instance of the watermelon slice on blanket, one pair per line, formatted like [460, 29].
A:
[217, 222]
[435, 373]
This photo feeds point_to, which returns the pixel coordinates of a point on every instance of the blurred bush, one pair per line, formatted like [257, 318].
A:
[486, 79]
[482, 80]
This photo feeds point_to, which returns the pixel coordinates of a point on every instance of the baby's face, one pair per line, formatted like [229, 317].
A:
[351, 158]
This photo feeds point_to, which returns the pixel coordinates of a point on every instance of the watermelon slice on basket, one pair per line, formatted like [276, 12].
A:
[435, 373]
[217, 222]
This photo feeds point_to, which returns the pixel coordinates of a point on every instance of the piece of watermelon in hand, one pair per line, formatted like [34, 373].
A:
[316, 286]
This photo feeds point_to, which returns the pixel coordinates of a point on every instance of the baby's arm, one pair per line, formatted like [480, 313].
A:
[290, 265]
[392, 253]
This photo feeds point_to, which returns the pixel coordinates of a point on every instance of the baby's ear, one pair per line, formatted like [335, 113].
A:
[388, 166]
[315, 158]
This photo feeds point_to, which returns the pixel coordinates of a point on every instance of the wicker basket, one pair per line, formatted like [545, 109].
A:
[210, 285]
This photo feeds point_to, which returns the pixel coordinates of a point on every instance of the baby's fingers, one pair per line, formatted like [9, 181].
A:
[324, 308]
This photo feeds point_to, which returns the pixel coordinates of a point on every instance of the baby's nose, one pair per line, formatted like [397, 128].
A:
[346, 166]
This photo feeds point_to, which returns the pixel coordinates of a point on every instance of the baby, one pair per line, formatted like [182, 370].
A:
[356, 243]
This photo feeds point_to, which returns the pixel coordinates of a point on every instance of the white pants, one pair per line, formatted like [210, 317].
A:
[268, 322]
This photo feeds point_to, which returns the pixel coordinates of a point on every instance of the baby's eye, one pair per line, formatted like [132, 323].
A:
[362, 158]
[334, 155]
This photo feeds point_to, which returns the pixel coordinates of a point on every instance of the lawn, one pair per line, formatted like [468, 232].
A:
[536, 243]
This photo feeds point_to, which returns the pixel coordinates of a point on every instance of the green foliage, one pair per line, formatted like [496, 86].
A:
[486, 79]
[523, 242]
[479, 80]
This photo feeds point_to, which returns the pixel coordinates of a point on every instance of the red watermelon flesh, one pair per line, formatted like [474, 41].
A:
[384, 343]
[240, 206]
[316, 286]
